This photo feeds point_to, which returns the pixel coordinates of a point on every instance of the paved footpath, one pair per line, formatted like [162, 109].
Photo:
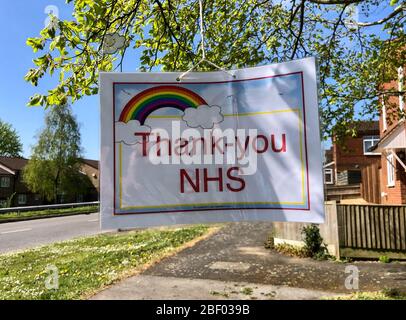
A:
[233, 263]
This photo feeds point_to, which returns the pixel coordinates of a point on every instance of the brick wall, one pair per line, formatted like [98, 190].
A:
[395, 194]
[351, 157]
[18, 187]
[6, 192]
[391, 107]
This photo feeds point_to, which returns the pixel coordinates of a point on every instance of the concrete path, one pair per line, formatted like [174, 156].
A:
[235, 257]
[144, 287]
[32, 233]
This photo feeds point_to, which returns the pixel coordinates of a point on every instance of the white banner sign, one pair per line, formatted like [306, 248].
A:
[211, 147]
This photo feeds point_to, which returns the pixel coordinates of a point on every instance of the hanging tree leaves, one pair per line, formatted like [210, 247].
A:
[354, 57]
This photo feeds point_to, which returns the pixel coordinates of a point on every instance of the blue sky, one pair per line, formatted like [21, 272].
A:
[20, 19]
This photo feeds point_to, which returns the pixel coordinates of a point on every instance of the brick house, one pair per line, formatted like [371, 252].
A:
[392, 144]
[91, 169]
[11, 183]
[344, 162]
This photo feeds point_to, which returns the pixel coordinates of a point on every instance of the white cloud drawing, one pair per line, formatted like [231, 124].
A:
[203, 116]
[113, 42]
[125, 132]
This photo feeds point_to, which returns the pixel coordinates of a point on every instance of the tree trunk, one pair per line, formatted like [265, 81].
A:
[56, 186]
[56, 192]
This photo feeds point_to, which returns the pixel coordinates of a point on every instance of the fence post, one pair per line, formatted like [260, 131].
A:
[334, 225]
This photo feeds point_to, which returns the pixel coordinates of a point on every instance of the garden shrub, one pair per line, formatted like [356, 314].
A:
[314, 246]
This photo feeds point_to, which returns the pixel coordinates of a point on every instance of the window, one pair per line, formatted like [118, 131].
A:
[5, 182]
[369, 142]
[3, 203]
[390, 170]
[22, 199]
[328, 176]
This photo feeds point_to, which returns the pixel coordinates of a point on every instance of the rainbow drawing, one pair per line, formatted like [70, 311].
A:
[150, 100]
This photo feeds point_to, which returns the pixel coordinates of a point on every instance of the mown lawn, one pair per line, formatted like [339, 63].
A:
[48, 212]
[86, 265]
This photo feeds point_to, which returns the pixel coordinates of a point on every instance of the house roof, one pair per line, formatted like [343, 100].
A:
[395, 138]
[13, 163]
[2, 171]
[367, 126]
[364, 128]
[92, 163]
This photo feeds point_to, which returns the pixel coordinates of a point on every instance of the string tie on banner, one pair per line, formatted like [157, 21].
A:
[203, 49]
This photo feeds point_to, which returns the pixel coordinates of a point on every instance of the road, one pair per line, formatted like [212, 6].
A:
[26, 234]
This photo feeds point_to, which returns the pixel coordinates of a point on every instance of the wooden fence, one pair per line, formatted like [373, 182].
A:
[372, 227]
[353, 230]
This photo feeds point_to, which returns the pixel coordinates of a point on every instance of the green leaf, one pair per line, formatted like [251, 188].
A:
[35, 100]
[35, 43]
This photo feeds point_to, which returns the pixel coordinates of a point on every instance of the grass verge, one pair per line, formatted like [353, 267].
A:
[87, 265]
[15, 216]
[388, 294]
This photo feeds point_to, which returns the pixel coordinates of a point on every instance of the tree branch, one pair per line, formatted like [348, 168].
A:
[395, 12]
[328, 2]
[168, 26]
[302, 12]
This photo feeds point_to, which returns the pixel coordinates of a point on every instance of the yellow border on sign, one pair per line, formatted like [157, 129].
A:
[224, 203]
